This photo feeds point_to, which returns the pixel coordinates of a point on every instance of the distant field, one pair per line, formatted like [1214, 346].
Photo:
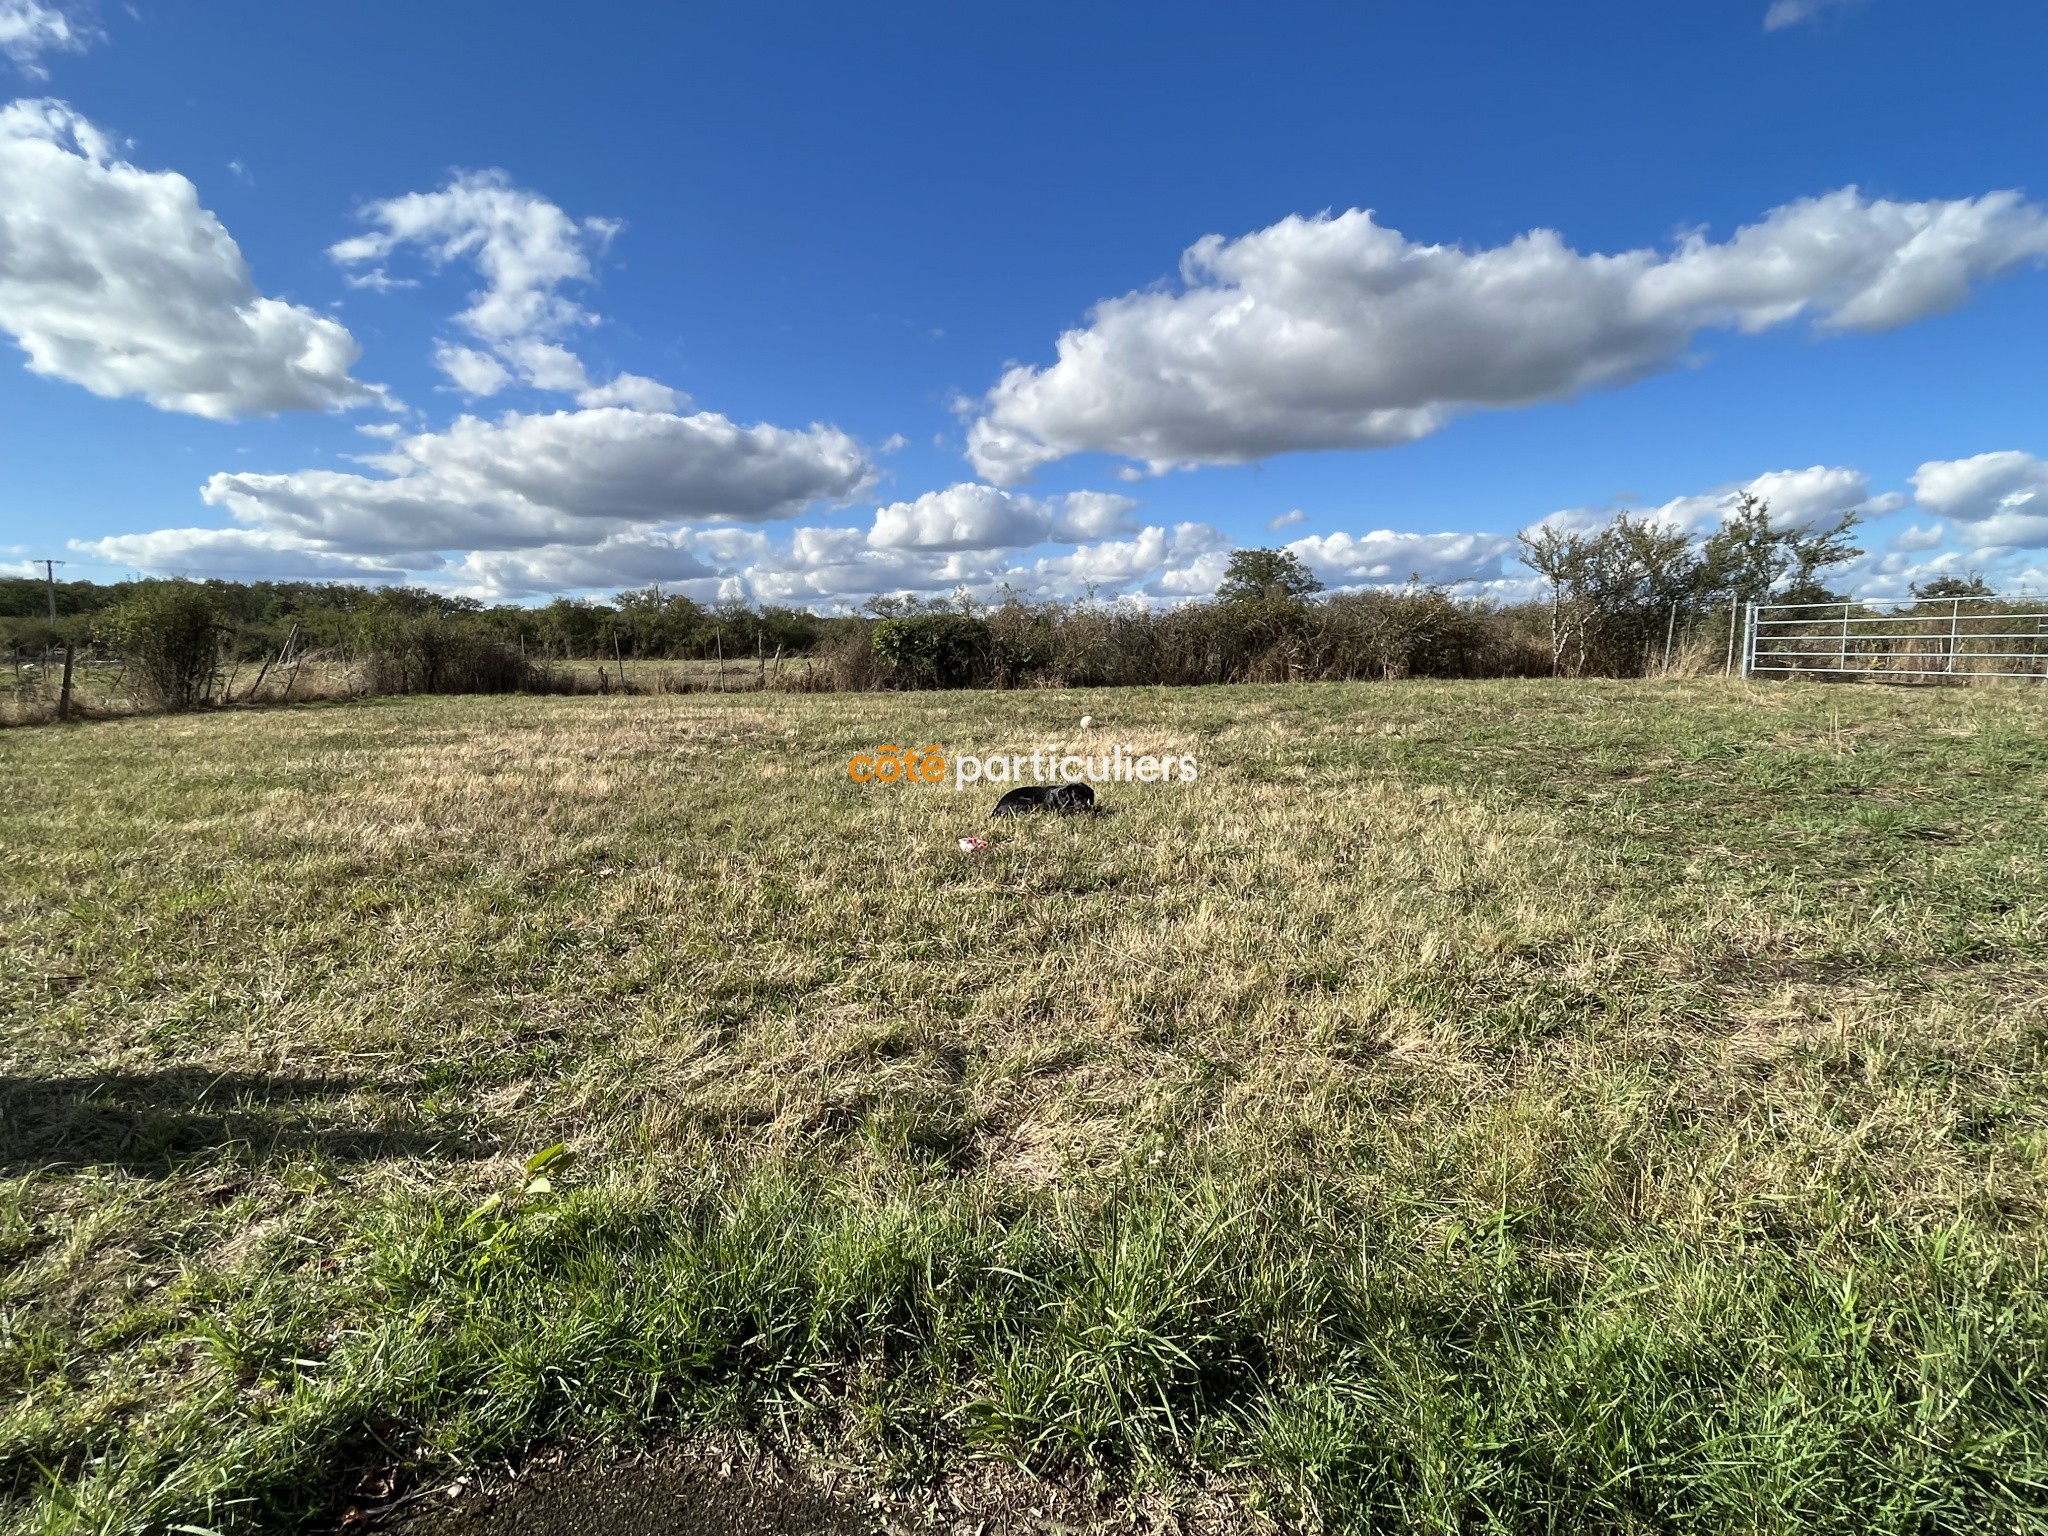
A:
[1518, 1106]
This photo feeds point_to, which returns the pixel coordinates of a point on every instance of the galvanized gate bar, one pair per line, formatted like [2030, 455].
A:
[1899, 637]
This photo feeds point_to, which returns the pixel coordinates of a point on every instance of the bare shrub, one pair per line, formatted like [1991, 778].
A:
[434, 656]
[811, 675]
[848, 658]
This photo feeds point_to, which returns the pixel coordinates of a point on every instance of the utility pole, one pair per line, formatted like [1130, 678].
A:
[50, 571]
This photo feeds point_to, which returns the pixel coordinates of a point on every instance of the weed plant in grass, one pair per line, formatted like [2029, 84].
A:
[1494, 1105]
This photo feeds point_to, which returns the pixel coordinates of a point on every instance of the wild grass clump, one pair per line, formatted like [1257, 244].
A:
[1345, 1366]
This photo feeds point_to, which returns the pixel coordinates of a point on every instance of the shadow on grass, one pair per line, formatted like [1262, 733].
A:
[150, 1122]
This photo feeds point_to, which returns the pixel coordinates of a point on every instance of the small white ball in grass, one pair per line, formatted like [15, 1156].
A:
[1087, 722]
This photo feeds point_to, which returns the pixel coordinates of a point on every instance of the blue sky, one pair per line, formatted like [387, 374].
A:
[804, 303]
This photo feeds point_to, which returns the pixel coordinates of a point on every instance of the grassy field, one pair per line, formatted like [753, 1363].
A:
[1494, 1106]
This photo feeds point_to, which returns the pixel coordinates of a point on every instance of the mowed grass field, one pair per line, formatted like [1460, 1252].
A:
[1528, 1106]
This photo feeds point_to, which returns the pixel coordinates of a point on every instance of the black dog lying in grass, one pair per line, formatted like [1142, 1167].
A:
[1026, 798]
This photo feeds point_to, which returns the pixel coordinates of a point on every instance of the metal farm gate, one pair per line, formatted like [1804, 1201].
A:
[1947, 638]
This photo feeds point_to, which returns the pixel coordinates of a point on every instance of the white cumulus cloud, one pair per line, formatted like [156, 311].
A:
[1384, 558]
[972, 516]
[246, 553]
[2000, 498]
[115, 278]
[961, 517]
[839, 568]
[611, 497]
[1082, 515]
[638, 393]
[1186, 561]
[474, 372]
[593, 493]
[525, 481]
[527, 250]
[30, 28]
[1336, 332]
[522, 245]
[636, 558]
[1798, 498]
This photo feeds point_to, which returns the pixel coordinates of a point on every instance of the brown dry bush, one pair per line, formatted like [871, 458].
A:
[433, 656]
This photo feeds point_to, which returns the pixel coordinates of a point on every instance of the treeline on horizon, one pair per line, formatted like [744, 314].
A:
[261, 615]
[1622, 600]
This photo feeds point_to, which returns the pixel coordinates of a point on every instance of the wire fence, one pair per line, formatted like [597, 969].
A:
[1948, 638]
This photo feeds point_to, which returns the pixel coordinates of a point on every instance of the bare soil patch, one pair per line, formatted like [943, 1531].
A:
[695, 1493]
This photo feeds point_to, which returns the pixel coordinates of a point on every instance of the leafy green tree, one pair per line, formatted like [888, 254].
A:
[1613, 590]
[1814, 551]
[1972, 585]
[1266, 575]
[663, 624]
[1748, 560]
[1618, 591]
[934, 650]
[574, 626]
[169, 634]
